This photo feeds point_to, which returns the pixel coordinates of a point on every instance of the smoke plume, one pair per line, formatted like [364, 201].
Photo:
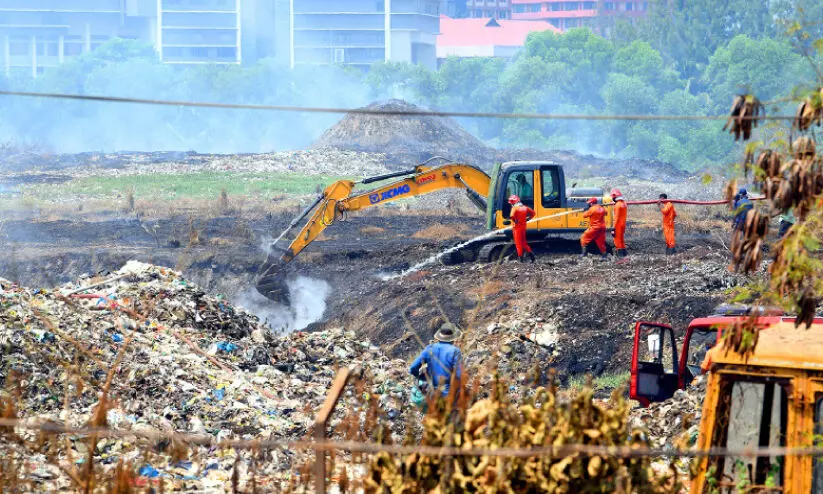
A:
[308, 305]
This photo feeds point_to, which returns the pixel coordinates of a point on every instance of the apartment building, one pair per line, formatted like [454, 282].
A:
[454, 8]
[564, 14]
[37, 34]
[484, 9]
[361, 32]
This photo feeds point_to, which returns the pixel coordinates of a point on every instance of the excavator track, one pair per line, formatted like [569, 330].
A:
[495, 250]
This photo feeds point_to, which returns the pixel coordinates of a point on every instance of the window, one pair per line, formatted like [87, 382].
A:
[629, 6]
[551, 188]
[226, 52]
[701, 341]
[17, 48]
[608, 5]
[521, 183]
[200, 52]
[588, 5]
[657, 346]
[72, 49]
[339, 55]
[751, 413]
[519, 9]
[173, 52]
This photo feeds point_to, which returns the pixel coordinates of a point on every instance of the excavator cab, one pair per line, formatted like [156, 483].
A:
[541, 185]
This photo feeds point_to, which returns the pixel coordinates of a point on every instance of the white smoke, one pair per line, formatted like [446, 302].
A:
[308, 305]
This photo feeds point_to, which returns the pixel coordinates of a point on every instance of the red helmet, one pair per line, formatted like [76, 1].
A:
[513, 199]
[616, 193]
[593, 200]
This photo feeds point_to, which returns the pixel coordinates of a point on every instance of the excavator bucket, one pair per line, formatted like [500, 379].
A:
[271, 279]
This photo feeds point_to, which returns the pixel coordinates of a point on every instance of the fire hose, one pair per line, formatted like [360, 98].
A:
[684, 201]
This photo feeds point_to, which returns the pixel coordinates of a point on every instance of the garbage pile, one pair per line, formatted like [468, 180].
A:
[520, 349]
[668, 421]
[188, 363]
[377, 133]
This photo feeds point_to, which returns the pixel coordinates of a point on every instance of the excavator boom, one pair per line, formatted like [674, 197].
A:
[338, 199]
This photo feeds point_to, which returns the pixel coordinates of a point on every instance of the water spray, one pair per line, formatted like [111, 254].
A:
[432, 259]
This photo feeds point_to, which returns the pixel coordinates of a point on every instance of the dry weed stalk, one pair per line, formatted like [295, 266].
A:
[541, 420]
[746, 113]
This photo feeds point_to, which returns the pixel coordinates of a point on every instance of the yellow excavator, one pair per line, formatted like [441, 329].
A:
[540, 185]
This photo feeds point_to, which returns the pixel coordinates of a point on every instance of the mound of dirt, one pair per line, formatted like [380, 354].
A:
[415, 137]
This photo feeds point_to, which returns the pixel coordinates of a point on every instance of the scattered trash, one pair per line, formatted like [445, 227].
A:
[668, 420]
[226, 347]
[169, 379]
[149, 471]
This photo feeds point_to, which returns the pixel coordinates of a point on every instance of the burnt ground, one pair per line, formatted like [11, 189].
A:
[589, 304]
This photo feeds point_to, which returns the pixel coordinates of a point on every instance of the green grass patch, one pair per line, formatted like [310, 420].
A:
[187, 185]
[606, 381]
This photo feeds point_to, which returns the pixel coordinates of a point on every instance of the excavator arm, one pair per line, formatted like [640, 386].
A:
[338, 199]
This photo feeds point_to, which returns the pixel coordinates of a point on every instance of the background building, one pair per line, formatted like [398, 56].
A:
[567, 15]
[37, 34]
[484, 37]
[363, 32]
[497, 9]
[454, 8]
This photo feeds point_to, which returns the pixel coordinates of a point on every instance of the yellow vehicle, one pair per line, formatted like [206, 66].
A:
[771, 399]
[541, 185]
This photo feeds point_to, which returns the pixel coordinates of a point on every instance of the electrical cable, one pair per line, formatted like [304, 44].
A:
[385, 112]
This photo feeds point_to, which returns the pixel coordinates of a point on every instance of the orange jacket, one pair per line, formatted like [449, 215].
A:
[620, 213]
[597, 217]
[668, 214]
[520, 215]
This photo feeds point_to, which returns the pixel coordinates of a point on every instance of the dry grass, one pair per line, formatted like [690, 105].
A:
[488, 289]
[439, 231]
[372, 230]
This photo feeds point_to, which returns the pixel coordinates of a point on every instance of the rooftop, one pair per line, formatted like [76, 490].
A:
[493, 32]
[780, 344]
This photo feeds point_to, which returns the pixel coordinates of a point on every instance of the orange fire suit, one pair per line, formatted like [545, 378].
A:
[669, 214]
[597, 228]
[520, 215]
[620, 213]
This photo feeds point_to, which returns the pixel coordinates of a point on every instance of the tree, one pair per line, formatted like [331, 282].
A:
[748, 65]
[687, 33]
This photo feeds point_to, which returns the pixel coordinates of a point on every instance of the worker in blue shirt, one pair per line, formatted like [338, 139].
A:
[742, 206]
[442, 360]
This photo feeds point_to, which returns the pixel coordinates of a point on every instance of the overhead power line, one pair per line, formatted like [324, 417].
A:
[383, 112]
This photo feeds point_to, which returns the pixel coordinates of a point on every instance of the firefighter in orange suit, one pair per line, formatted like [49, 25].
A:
[619, 232]
[520, 215]
[597, 228]
[669, 214]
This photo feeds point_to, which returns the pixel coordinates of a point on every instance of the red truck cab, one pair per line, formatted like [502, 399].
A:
[658, 369]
